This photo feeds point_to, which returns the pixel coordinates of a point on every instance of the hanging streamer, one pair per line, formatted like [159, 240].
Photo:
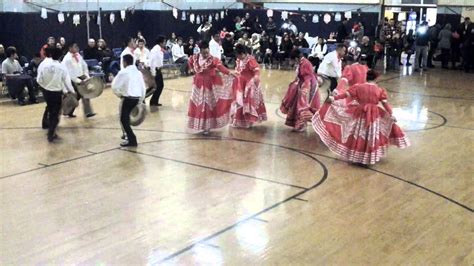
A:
[327, 18]
[269, 13]
[76, 19]
[61, 17]
[348, 14]
[175, 13]
[112, 18]
[122, 14]
[315, 18]
[44, 13]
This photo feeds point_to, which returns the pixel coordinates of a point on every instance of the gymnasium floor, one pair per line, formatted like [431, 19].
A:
[265, 196]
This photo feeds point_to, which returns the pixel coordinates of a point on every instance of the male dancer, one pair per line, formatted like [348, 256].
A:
[78, 71]
[156, 63]
[130, 86]
[54, 80]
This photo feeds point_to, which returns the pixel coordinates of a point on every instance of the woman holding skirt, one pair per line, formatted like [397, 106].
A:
[249, 106]
[361, 131]
[351, 75]
[302, 98]
[211, 98]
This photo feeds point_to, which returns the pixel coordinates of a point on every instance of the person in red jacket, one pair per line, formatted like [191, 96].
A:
[51, 43]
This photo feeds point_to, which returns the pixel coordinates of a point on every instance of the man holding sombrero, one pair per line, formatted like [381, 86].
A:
[54, 79]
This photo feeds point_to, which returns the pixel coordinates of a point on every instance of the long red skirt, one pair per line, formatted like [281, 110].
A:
[343, 129]
[249, 106]
[296, 106]
[209, 106]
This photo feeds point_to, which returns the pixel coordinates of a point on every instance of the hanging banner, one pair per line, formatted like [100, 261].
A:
[76, 19]
[327, 18]
[337, 17]
[284, 15]
[61, 17]
[122, 14]
[269, 13]
[191, 18]
[44, 13]
[183, 15]
[175, 13]
[112, 18]
[348, 14]
[315, 19]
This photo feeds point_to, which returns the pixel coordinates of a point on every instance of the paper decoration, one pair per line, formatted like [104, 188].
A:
[175, 13]
[210, 18]
[216, 18]
[327, 18]
[183, 15]
[198, 19]
[44, 13]
[76, 19]
[222, 14]
[269, 13]
[402, 16]
[284, 15]
[112, 18]
[192, 18]
[122, 15]
[348, 14]
[337, 17]
[99, 20]
[315, 19]
[61, 17]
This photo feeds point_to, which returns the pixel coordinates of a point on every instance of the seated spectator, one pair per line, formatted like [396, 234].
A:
[300, 41]
[140, 37]
[205, 31]
[270, 52]
[238, 27]
[318, 52]
[223, 33]
[215, 48]
[171, 41]
[51, 43]
[179, 57]
[3, 56]
[141, 53]
[189, 47]
[12, 69]
[255, 48]
[245, 41]
[271, 27]
[228, 47]
[285, 48]
[367, 51]
[32, 68]
[64, 48]
[106, 55]
[257, 27]
[91, 52]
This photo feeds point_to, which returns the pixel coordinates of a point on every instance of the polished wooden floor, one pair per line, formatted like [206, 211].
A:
[264, 196]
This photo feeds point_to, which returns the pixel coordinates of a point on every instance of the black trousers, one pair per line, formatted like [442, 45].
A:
[155, 99]
[445, 55]
[16, 87]
[315, 61]
[127, 106]
[54, 101]
[333, 84]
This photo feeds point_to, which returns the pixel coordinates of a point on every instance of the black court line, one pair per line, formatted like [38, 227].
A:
[214, 169]
[300, 199]
[243, 220]
[210, 245]
[259, 219]
[401, 179]
[44, 166]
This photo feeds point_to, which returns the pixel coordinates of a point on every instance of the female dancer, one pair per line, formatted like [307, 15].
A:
[351, 75]
[211, 98]
[361, 132]
[249, 107]
[302, 98]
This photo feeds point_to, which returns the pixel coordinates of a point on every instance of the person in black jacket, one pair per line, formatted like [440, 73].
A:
[91, 52]
[342, 32]
[394, 49]
[271, 27]
[228, 47]
[422, 44]
[301, 42]
[286, 46]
